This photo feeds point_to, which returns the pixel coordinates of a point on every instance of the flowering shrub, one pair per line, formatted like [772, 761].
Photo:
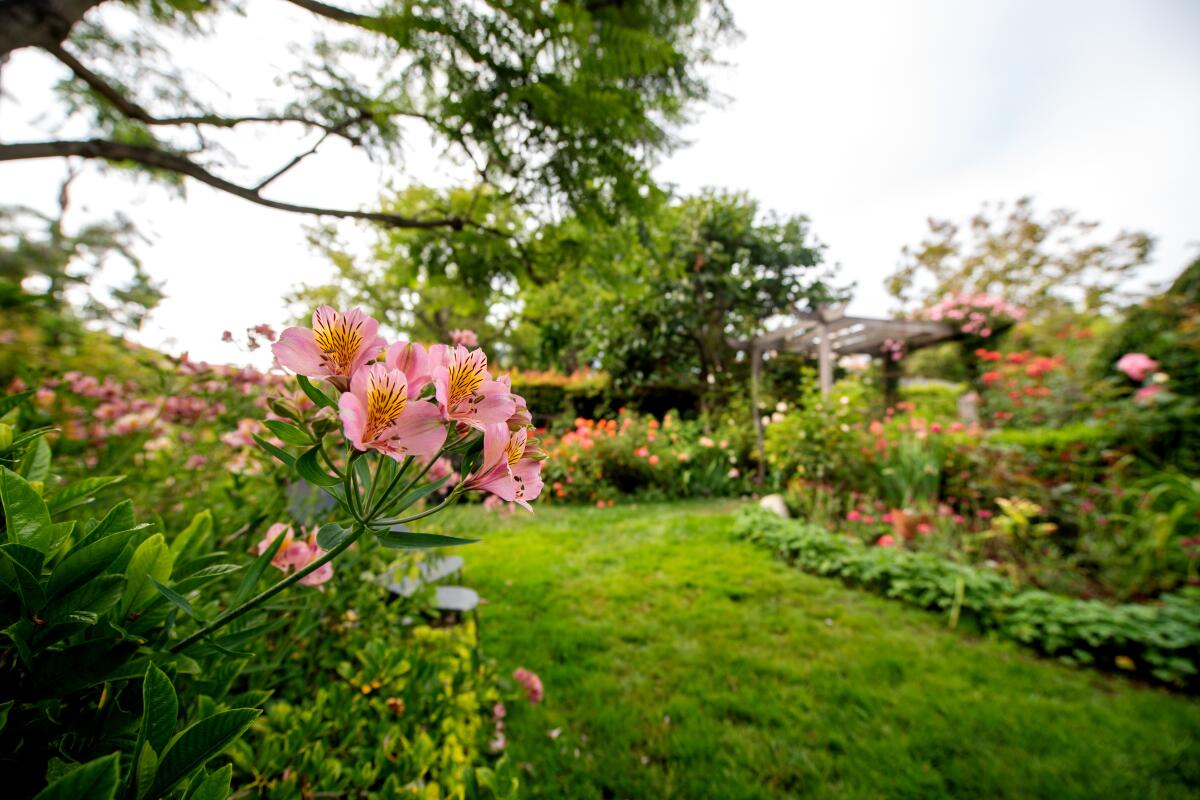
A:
[978, 315]
[598, 461]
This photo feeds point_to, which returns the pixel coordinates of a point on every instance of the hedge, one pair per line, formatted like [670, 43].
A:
[1160, 642]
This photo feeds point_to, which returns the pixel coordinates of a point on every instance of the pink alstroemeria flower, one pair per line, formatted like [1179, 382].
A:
[466, 392]
[1137, 365]
[334, 348]
[295, 554]
[378, 415]
[413, 360]
[508, 471]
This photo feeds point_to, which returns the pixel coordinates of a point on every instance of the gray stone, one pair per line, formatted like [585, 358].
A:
[776, 505]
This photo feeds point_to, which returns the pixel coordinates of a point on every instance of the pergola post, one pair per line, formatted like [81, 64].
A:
[825, 360]
[891, 380]
[755, 379]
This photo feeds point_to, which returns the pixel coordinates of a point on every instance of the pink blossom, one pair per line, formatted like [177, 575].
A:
[466, 392]
[465, 337]
[378, 415]
[887, 540]
[195, 462]
[1137, 365]
[653, 460]
[1147, 393]
[336, 346]
[413, 360]
[509, 468]
[296, 554]
[925, 528]
[531, 683]
[854, 516]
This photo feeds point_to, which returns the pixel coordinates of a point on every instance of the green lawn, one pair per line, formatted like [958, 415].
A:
[679, 662]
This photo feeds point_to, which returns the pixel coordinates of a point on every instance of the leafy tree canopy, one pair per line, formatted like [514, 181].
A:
[559, 104]
[1038, 262]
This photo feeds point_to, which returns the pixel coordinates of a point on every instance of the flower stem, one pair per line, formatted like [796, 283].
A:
[229, 616]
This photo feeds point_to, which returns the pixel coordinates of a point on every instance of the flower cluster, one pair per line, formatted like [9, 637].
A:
[974, 314]
[1141, 368]
[1018, 385]
[403, 400]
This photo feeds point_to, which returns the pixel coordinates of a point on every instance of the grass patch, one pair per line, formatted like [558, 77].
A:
[679, 662]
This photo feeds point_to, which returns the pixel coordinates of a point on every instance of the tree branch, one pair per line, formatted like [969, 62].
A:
[39, 23]
[172, 162]
[332, 12]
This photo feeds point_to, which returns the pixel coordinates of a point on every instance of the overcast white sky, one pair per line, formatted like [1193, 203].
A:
[866, 116]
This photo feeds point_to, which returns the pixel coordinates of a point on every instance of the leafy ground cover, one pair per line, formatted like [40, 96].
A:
[679, 662]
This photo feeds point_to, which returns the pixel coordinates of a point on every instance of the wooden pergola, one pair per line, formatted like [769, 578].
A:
[830, 334]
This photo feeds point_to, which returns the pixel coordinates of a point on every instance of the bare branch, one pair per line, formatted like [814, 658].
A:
[172, 162]
[258, 187]
[333, 12]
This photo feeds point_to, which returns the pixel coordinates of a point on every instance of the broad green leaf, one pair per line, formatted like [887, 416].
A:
[60, 533]
[147, 766]
[95, 780]
[82, 563]
[11, 401]
[316, 395]
[119, 518]
[22, 570]
[331, 535]
[211, 786]
[282, 455]
[195, 745]
[309, 468]
[25, 514]
[79, 493]
[409, 540]
[35, 466]
[199, 529]
[204, 576]
[256, 570]
[288, 433]
[87, 602]
[152, 559]
[160, 709]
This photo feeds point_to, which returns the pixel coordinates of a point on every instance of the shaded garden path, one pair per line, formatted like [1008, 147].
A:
[679, 662]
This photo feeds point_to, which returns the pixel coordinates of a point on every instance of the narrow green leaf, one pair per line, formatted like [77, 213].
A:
[410, 540]
[197, 531]
[177, 599]
[321, 399]
[288, 433]
[147, 766]
[195, 745]
[25, 514]
[119, 518]
[152, 559]
[4, 709]
[95, 780]
[309, 468]
[331, 535]
[282, 455]
[204, 576]
[256, 570]
[420, 493]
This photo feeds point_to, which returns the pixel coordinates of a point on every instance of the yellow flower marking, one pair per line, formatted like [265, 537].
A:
[386, 400]
[466, 376]
[338, 340]
[515, 447]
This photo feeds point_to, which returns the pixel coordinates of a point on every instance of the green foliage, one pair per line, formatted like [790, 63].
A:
[817, 439]
[1040, 264]
[1160, 642]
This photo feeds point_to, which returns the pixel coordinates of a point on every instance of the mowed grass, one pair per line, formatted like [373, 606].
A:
[679, 662]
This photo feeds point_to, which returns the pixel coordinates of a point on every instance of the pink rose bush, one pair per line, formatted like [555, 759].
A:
[975, 314]
[1138, 366]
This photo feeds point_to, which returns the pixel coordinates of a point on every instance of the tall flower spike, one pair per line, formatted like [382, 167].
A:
[377, 414]
[334, 348]
[466, 392]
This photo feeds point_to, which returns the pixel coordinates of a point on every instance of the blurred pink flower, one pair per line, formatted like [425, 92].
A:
[887, 540]
[531, 683]
[1137, 365]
